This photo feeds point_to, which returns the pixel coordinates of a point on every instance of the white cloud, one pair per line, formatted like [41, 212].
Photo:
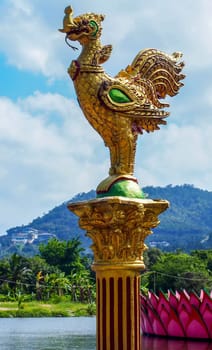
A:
[30, 41]
[43, 164]
[48, 150]
[45, 161]
[176, 155]
[167, 25]
[208, 97]
[21, 5]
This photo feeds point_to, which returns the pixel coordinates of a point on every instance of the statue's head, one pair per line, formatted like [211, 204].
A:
[82, 28]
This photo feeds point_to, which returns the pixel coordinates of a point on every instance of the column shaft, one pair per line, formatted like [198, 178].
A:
[118, 311]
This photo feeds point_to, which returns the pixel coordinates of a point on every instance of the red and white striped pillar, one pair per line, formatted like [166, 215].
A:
[118, 227]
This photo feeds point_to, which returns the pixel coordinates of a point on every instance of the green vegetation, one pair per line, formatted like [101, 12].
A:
[62, 308]
[57, 282]
[187, 224]
[177, 271]
[60, 282]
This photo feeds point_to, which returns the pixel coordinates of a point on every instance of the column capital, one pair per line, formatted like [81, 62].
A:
[118, 227]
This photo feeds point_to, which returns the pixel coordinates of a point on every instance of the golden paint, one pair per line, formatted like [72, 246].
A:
[119, 109]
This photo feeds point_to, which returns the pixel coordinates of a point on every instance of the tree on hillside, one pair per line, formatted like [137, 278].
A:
[66, 255]
[179, 271]
[151, 256]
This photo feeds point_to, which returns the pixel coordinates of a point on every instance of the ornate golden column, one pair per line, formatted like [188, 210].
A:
[118, 227]
[119, 220]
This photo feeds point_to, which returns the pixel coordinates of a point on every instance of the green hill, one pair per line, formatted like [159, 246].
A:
[186, 225]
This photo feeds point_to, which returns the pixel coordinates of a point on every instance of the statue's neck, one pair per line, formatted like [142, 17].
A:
[89, 52]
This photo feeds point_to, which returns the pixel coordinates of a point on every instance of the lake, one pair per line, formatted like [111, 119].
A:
[71, 333]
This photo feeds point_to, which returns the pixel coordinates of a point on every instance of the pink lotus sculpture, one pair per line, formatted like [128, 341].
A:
[177, 315]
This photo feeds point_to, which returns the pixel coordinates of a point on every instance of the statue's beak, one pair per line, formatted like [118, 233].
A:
[64, 30]
[67, 27]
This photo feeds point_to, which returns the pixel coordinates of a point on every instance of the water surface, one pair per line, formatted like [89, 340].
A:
[72, 333]
[48, 333]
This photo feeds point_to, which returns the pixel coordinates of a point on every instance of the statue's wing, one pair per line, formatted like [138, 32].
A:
[162, 70]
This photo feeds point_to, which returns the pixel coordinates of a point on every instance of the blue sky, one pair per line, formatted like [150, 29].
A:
[48, 150]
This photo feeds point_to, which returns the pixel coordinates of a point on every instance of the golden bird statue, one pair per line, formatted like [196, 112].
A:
[120, 108]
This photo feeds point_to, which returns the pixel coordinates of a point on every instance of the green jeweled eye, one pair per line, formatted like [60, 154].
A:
[119, 96]
[95, 26]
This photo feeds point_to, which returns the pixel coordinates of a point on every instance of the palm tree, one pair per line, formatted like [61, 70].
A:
[18, 272]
